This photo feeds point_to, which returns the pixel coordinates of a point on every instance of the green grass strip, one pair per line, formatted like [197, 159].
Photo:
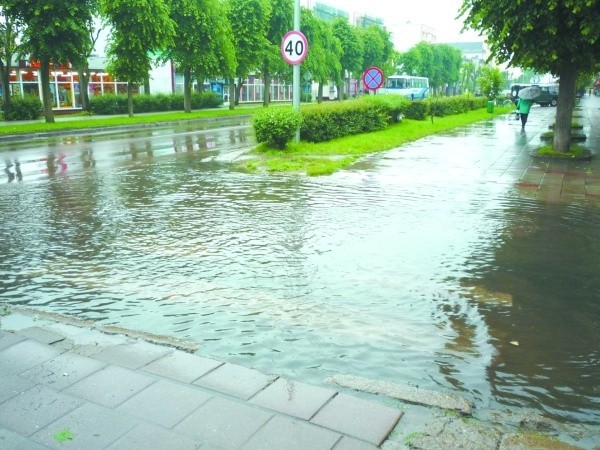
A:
[328, 157]
[82, 122]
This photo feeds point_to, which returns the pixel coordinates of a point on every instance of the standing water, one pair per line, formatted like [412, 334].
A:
[426, 265]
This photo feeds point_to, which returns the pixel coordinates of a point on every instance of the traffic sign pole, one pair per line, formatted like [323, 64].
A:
[296, 74]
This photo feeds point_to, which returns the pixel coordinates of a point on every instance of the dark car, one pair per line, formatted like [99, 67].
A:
[549, 95]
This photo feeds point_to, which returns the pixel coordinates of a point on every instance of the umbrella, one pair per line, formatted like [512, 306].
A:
[530, 92]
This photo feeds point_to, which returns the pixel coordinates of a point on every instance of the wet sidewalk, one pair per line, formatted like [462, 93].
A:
[67, 386]
[555, 180]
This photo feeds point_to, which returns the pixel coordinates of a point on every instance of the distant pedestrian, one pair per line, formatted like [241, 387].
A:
[523, 108]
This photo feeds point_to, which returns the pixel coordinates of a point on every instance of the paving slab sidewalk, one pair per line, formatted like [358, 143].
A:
[64, 386]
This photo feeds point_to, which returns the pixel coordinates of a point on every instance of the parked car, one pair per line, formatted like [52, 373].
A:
[549, 95]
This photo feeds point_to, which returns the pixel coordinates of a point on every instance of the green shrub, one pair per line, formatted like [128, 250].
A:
[393, 106]
[24, 108]
[276, 126]
[417, 110]
[110, 104]
[326, 121]
[202, 100]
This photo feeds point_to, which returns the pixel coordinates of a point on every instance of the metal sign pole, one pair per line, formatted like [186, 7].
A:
[296, 78]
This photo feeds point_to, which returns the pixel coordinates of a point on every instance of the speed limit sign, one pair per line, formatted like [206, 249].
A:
[294, 47]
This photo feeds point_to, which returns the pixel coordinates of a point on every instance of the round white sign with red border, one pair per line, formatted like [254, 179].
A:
[294, 47]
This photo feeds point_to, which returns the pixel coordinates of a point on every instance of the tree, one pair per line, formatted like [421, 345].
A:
[280, 22]
[561, 37]
[378, 49]
[199, 40]
[9, 30]
[82, 62]
[353, 48]
[249, 21]
[138, 29]
[56, 33]
[469, 72]
[490, 81]
[418, 61]
[440, 63]
[323, 59]
[447, 63]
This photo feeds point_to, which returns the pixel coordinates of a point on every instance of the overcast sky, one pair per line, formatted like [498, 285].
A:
[437, 14]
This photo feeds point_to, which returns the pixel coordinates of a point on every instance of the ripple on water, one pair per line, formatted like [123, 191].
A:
[412, 267]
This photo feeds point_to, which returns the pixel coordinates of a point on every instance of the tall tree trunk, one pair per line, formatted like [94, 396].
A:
[267, 94]
[5, 83]
[340, 90]
[46, 94]
[130, 98]
[147, 85]
[187, 89]
[320, 93]
[564, 109]
[231, 93]
[84, 74]
[238, 91]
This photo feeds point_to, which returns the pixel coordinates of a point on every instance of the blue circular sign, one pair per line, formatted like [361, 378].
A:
[373, 78]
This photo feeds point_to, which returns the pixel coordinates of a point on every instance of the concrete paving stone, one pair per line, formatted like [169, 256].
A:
[283, 432]
[14, 441]
[552, 179]
[98, 339]
[362, 419]
[69, 331]
[293, 398]
[146, 436]
[133, 355]
[13, 385]
[16, 322]
[92, 426]
[164, 402]
[572, 198]
[43, 335]
[110, 386]
[35, 408]
[25, 355]
[223, 423]
[9, 339]
[591, 190]
[348, 443]
[64, 370]
[182, 366]
[236, 380]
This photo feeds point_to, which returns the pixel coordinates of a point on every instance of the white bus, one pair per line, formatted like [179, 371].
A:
[413, 88]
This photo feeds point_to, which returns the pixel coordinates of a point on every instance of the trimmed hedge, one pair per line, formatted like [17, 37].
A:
[24, 108]
[327, 121]
[276, 126]
[110, 104]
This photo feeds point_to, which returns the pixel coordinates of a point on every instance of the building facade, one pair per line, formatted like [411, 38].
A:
[65, 88]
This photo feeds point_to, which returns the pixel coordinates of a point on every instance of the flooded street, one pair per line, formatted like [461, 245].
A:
[427, 265]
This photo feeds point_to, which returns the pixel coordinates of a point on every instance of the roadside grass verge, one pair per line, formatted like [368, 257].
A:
[325, 158]
[81, 122]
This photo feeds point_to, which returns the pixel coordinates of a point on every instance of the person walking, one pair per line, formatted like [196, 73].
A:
[523, 108]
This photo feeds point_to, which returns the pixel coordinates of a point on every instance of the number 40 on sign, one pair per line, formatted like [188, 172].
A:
[294, 47]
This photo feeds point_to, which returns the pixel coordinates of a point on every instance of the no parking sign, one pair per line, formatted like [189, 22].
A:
[373, 78]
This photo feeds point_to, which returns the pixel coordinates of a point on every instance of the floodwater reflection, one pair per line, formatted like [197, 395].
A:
[416, 266]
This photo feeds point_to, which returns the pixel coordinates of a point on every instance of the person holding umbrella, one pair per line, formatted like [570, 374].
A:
[525, 101]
